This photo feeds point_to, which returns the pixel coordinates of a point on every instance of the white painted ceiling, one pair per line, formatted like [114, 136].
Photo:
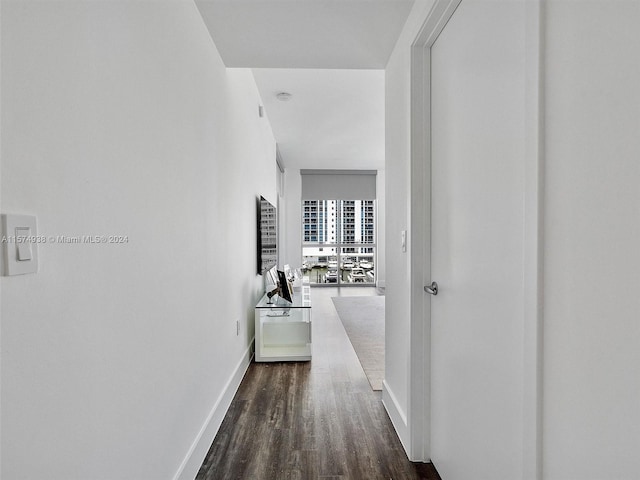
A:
[305, 33]
[334, 119]
[330, 55]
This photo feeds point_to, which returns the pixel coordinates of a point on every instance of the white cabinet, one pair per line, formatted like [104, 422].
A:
[283, 329]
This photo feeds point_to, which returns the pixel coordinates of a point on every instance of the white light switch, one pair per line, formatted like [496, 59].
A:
[19, 245]
[23, 235]
[403, 237]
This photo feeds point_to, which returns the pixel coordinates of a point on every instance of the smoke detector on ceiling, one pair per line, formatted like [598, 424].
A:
[283, 96]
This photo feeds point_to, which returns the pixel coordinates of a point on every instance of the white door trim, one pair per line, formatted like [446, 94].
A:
[420, 238]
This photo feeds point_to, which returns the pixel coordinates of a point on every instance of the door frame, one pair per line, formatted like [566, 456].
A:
[419, 405]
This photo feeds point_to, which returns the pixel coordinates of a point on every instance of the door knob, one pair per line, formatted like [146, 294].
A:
[432, 289]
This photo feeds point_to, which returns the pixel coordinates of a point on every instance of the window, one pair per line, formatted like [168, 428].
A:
[350, 259]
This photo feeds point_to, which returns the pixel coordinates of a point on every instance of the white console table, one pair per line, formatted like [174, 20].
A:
[283, 329]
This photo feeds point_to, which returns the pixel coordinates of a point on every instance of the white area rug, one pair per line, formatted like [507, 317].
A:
[363, 319]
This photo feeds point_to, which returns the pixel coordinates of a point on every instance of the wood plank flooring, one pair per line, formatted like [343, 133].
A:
[311, 420]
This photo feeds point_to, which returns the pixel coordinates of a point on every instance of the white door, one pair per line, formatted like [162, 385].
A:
[477, 74]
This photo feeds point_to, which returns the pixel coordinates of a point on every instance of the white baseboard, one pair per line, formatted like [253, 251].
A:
[198, 451]
[397, 416]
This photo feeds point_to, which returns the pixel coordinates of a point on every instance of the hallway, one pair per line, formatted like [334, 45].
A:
[311, 420]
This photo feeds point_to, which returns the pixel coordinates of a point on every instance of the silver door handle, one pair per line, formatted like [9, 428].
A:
[432, 289]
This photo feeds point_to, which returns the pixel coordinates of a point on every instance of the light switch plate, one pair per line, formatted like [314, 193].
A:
[19, 245]
[23, 234]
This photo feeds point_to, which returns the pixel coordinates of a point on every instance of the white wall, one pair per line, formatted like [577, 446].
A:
[592, 210]
[397, 193]
[120, 118]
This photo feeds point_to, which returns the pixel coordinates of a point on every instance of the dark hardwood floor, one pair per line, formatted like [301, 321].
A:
[311, 420]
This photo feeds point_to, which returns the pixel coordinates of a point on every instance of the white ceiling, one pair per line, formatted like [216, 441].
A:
[330, 55]
[305, 33]
[335, 118]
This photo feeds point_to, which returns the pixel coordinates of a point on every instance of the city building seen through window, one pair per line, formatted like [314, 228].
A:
[338, 241]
